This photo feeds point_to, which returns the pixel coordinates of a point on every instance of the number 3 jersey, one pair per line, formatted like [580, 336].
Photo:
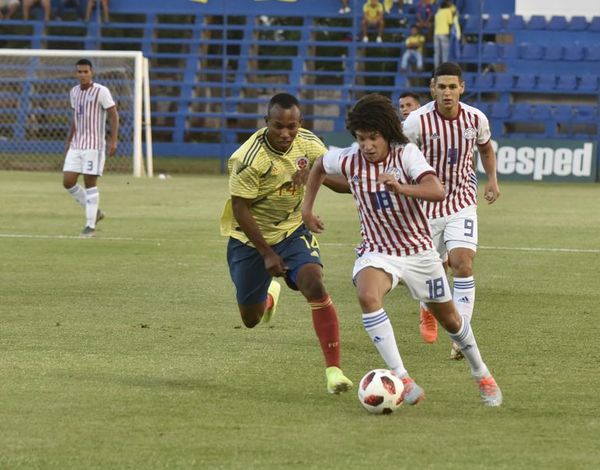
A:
[448, 146]
[389, 223]
[263, 174]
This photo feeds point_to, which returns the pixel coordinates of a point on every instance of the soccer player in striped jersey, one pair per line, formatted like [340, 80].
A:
[266, 235]
[448, 131]
[85, 148]
[388, 177]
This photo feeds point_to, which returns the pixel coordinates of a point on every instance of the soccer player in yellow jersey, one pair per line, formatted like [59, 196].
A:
[267, 238]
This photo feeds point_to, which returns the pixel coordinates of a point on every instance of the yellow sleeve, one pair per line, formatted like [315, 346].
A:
[314, 148]
[243, 181]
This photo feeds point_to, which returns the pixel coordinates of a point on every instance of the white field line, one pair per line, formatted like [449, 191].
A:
[222, 241]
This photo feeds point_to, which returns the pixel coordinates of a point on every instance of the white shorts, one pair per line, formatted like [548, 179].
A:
[422, 273]
[458, 230]
[85, 162]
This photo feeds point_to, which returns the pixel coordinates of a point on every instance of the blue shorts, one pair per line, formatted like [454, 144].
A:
[247, 267]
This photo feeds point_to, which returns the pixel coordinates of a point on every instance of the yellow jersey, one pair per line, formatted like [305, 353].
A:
[371, 13]
[263, 174]
[443, 20]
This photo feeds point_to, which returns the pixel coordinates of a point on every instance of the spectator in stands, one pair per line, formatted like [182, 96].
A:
[8, 8]
[424, 15]
[372, 18]
[443, 20]
[408, 102]
[77, 4]
[345, 8]
[90, 8]
[414, 50]
[27, 4]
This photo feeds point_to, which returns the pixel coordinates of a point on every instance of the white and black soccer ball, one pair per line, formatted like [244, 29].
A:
[380, 391]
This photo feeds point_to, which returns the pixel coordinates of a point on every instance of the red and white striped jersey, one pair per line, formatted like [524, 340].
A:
[89, 113]
[389, 223]
[448, 146]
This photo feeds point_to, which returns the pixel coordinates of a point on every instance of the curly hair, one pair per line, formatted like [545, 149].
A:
[375, 113]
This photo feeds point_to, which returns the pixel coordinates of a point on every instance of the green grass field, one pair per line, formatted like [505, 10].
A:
[127, 352]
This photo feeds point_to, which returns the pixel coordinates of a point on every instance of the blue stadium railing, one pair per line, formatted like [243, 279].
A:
[212, 70]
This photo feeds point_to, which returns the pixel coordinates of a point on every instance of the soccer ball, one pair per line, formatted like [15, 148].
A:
[380, 391]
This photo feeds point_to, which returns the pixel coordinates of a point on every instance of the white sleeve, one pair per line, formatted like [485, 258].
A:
[412, 129]
[484, 134]
[331, 161]
[72, 99]
[415, 162]
[105, 98]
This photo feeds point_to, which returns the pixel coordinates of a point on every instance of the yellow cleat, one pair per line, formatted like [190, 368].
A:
[337, 382]
[274, 290]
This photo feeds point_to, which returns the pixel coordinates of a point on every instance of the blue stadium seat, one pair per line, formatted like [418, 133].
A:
[484, 82]
[483, 107]
[541, 112]
[515, 23]
[494, 24]
[553, 52]
[592, 52]
[563, 113]
[500, 111]
[491, 51]
[521, 112]
[557, 23]
[530, 51]
[503, 82]
[588, 83]
[594, 24]
[586, 113]
[472, 23]
[546, 82]
[469, 79]
[469, 51]
[510, 51]
[577, 23]
[566, 82]
[573, 52]
[537, 22]
[525, 81]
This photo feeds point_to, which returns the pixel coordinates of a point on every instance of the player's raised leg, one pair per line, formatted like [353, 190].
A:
[372, 285]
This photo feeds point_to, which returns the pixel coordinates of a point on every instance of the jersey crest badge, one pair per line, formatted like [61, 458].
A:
[470, 133]
[302, 163]
[434, 136]
[395, 172]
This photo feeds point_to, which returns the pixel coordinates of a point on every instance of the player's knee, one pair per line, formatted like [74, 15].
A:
[462, 267]
[250, 321]
[369, 301]
[250, 317]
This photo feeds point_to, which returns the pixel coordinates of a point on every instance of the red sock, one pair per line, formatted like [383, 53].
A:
[326, 326]
[269, 302]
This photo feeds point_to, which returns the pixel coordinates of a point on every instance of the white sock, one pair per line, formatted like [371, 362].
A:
[77, 193]
[380, 331]
[464, 296]
[92, 200]
[468, 346]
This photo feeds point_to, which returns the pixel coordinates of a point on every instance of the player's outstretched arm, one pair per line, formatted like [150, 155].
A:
[241, 210]
[429, 188]
[488, 159]
[315, 180]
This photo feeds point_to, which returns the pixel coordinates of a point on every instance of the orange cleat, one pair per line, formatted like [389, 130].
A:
[427, 325]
